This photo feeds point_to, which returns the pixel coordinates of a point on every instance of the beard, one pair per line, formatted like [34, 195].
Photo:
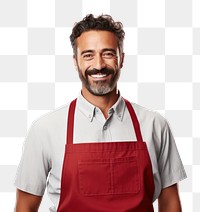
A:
[100, 87]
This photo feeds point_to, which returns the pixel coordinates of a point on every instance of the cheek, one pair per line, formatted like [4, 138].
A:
[84, 64]
[115, 64]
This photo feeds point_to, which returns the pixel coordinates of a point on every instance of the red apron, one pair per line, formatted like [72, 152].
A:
[107, 176]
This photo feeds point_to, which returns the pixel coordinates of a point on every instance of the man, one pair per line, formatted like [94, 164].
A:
[100, 152]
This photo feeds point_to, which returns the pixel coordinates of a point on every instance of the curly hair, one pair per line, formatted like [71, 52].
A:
[102, 22]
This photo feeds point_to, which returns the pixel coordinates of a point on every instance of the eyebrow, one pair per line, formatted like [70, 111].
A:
[87, 51]
[109, 49]
[103, 50]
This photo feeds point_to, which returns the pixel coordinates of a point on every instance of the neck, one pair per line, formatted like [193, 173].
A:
[104, 103]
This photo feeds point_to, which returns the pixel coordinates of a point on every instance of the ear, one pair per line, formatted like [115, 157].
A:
[75, 62]
[121, 60]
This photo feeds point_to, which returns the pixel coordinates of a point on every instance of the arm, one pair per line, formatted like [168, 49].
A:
[168, 200]
[26, 202]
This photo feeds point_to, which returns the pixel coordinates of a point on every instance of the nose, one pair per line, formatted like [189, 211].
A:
[99, 62]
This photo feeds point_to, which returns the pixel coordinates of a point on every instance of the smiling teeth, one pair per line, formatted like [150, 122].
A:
[98, 75]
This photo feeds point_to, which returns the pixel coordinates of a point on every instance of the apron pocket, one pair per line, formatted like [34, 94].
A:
[125, 175]
[108, 176]
[94, 177]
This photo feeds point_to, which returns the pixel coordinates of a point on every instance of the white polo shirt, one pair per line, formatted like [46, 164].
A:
[42, 159]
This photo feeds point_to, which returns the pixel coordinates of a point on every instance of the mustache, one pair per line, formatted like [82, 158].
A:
[101, 71]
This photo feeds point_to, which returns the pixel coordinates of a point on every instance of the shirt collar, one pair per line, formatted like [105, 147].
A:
[88, 109]
[119, 108]
[85, 107]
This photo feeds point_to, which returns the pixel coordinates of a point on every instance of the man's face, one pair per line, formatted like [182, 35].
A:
[98, 61]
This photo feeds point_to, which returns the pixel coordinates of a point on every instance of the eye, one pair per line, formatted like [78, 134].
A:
[88, 56]
[108, 55]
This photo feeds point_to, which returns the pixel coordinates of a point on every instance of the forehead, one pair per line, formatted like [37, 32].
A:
[97, 39]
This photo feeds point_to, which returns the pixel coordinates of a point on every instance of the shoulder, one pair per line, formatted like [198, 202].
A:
[150, 117]
[52, 119]
[154, 127]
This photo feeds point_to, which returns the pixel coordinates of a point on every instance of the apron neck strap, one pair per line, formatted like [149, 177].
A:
[70, 122]
[134, 119]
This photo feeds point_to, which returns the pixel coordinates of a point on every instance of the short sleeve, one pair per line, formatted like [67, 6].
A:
[35, 163]
[170, 164]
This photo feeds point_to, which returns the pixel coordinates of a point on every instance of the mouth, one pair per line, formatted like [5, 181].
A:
[99, 77]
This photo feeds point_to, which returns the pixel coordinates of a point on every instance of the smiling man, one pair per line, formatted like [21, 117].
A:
[100, 153]
[100, 59]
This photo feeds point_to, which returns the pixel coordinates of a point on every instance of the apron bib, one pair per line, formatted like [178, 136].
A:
[107, 176]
